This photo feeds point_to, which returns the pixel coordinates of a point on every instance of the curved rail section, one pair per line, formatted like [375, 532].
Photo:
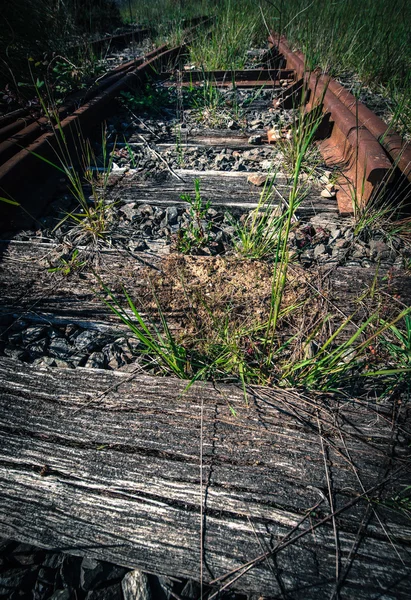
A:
[360, 142]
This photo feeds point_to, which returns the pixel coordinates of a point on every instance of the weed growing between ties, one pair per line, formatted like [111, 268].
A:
[150, 98]
[211, 318]
[87, 176]
[88, 184]
[196, 234]
[255, 317]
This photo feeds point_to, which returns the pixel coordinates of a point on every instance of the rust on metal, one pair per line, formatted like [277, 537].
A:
[236, 79]
[12, 128]
[351, 145]
[24, 162]
[389, 139]
[240, 75]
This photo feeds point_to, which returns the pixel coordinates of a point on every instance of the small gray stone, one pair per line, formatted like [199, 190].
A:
[380, 250]
[118, 353]
[59, 347]
[164, 232]
[159, 214]
[135, 586]
[70, 571]
[266, 165]
[14, 339]
[61, 595]
[26, 555]
[358, 251]
[53, 560]
[45, 361]
[53, 333]
[63, 364]
[328, 194]
[129, 211]
[96, 360]
[71, 331]
[232, 125]
[319, 251]
[171, 215]
[335, 234]
[166, 586]
[32, 334]
[307, 256]
[137, 245]
[144, 210]
[16, 353]
[220, 159]
[341, 243]
[399, 262]
[212, 213]
[38, 348]
[46, 576]
[87, 341]
[16, 579]
[191, 590]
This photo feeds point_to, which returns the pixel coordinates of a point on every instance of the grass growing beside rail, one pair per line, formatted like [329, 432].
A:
[368, 38]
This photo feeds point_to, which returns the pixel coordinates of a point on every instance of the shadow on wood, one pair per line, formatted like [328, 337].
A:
[107, 465]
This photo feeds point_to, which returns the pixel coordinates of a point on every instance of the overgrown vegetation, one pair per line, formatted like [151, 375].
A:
[50, 39]
[196, 234]
[293, 337]
[237, 27]
[87, 176]
[370, 38]
[257, 318]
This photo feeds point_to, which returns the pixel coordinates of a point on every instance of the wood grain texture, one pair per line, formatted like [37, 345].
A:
[29, 291]
[222, 189]
[122, 481]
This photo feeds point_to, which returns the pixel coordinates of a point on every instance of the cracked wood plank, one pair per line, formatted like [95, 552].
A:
[29, 291]
[122, 481]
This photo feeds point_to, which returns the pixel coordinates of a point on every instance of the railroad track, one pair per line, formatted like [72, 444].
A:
[367, 147]
[111, 454]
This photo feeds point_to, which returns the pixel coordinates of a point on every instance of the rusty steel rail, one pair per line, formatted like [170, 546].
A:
[20, 128]
[240, 79]
[22, 136]
[263, 75]
[24, 166]
[360, 141]
[25, 129]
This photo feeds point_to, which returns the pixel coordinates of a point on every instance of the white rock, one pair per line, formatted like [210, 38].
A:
[116, 170]
[266, 165]
[135, 586]
[327, 194]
